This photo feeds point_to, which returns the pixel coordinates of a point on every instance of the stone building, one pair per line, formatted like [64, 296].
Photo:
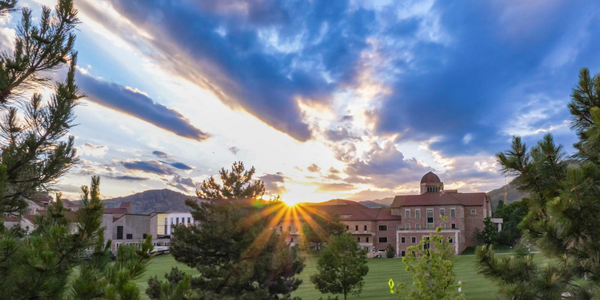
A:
[422, 213]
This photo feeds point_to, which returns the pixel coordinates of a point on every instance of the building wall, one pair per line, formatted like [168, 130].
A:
[413, 237]
[177, 219]
[472, 222]
[389, 234]
[136, 225]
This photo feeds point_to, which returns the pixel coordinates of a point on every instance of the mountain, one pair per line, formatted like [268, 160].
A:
[512, 195]
[377, 202]
[152, 201]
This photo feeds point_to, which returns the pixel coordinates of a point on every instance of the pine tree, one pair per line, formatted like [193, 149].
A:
[563, 218]
[177, 286]
[341, 267]
[235, 184]
[34, 153]
[322, 228]
[237, 250]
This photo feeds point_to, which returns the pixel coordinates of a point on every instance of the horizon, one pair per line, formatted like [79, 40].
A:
[353, 100]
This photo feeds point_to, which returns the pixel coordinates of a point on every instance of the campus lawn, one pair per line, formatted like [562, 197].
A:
[380, 271]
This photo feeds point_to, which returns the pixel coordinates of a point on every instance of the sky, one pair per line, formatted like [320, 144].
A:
[326, 99]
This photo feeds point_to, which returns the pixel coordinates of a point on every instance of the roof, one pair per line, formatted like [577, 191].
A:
[441, 198]
[69, 214]
[351, 210]
[10, 219]
[69, 203]
[115, 211]
[430, 178]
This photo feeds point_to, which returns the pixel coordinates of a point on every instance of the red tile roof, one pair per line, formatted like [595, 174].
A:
[430, 178]
[352, 211]
[441, 198]
[10, 219]
[115, 211]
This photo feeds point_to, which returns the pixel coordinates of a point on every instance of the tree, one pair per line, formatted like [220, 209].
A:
[512, 215]
[177, 286]
[237, 251]
[489, 234]
[390, 251]
[563, 209]
[431, 267]
[235, 184]
[341, 267]
[34, 152]
[322, 228]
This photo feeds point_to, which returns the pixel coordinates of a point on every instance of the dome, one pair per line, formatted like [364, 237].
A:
[430, 178]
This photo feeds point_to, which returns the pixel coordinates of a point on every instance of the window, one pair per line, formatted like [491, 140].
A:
[189, 220]
[417, 213]
[130, 236]
[442, 212]
[177, 221]
[289, 228]
[119, 232]
[291, 240]
[413, 239]
[430, 219]
[403, 240]
[356, 227]
[473, 212]
[407, 213]
[345, 216]
[399, 227]
[383, 239]
[403, 253]
[450, 240]
[365, 227]
[347, 227]
[367, 240]
[418, 227]
[382, 227]
[358, 238]
[453, 226]
[144, 235]
[453, 213]
[407, 226]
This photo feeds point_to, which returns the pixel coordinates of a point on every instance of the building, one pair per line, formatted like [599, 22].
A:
[374, 228]
[422, 213]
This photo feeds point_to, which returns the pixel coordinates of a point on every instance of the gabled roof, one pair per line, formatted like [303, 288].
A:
[69, 214]
[68, 203]
[351, 210]
[441, 198]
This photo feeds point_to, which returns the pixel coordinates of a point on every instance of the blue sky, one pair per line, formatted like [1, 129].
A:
[349, 99]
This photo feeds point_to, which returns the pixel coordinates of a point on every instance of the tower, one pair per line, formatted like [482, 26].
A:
[431, 183]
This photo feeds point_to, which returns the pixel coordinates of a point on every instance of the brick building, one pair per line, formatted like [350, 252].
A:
[421, 214]
[374, 228]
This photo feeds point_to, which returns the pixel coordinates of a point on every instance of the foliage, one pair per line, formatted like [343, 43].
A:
[390, 251]
[564, 209]
[512, 215]
[32, 132]
[431, 266]
[237, 251]
[323, 227]
[341, 267]
[489, 234]
[177, 286]
[235, 184]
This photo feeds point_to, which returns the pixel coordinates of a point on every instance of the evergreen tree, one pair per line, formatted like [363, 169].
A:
[489, 234]
[512, 215]
[33, 150]
[237, 251]
[564, 210]
[341, 267]
[177, 286]
[235, 184]
[430, 263]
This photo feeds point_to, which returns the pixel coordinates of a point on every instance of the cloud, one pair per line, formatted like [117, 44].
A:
[162, 154]
[150, 166]
[234, 150]
[313, 168]
[180, 166]
[333, 187]
[184, 184]
[89, 149]
[138, 105]
[127, 178]
[274, 183]
[339, 134]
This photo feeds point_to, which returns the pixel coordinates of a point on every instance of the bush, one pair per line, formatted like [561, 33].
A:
[390, 251]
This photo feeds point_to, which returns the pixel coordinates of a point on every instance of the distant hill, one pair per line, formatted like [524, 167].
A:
[377, 202]
[152, 201]
[512, 195]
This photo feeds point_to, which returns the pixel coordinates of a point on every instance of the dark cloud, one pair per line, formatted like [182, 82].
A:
[498, 57]
[224, 49]
[274, 183]
[150, 166]
[339, 134]
[333, 170]
[138, 105]
[162, 154]
[127, 178]
[234, 150]
[313, 168]
[180, 166]
[183, 184]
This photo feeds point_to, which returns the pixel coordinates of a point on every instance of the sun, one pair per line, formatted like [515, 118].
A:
[290, 202]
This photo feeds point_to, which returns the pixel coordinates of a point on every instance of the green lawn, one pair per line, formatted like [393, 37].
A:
[380, 271]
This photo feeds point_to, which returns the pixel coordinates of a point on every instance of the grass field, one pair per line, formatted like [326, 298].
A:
[380, 271]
